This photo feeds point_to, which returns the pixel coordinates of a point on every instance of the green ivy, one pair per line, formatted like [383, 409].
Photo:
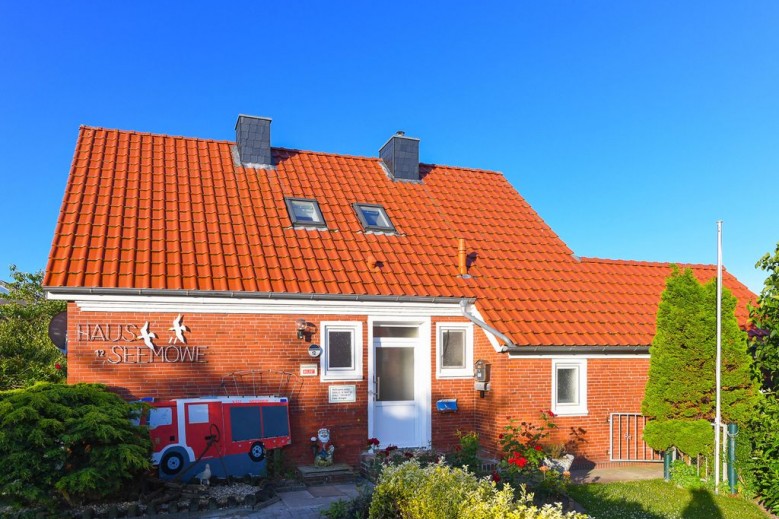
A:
[74, 442]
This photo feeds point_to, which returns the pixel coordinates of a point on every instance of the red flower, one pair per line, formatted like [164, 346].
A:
[500, 436]
[551, 413]
[58, 366]
[537, 447]
[518, 460]
[457, 448]
[495, 477]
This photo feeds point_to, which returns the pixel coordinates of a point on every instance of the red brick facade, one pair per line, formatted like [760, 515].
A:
[227, 343]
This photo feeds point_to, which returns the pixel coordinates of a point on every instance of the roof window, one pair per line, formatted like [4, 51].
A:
[373, 217]
[304, 212]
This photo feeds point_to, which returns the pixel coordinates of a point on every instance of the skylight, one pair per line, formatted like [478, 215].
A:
[373, 217]
[304, 212]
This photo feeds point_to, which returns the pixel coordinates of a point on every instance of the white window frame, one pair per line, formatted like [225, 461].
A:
[354, 373]
[441, 371]
[579, 408]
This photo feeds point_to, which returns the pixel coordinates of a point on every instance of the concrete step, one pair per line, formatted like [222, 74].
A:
[336, 473]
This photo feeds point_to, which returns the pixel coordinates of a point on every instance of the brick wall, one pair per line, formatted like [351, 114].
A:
[236, 342]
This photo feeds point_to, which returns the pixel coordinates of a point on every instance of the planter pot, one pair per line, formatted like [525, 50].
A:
[560, 464]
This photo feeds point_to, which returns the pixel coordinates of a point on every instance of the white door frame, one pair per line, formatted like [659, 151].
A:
[422, 373]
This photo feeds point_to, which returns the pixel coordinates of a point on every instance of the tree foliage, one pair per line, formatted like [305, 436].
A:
[75, 442]
[681, 385]
[764, 345]
[27, 355]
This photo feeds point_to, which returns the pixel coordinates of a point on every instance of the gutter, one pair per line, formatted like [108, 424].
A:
[63, 293]
[518, 351]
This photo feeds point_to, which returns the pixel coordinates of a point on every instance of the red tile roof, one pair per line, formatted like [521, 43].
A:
[147, 211]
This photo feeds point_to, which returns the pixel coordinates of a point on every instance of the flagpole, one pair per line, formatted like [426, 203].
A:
[717, 417]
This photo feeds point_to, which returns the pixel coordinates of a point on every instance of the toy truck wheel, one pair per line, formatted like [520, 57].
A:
[257, 451]
[172, 463]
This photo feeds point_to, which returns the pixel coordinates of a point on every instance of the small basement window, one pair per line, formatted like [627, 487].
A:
[373, 218]
[304, 212]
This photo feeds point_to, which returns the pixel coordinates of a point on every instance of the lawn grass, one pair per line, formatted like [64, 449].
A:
[656, 499]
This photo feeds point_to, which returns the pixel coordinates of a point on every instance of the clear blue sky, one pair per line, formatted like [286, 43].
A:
[631, 127]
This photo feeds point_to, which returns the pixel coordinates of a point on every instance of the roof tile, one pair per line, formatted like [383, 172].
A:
[153, 211]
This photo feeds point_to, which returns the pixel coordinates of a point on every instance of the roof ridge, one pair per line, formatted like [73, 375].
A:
[281, 148]
[647, 263]
[153, 134]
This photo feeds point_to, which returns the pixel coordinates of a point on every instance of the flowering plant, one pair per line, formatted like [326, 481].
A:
[373, 442]
[521, 441]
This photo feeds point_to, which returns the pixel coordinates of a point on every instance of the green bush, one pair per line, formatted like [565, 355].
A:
[466, 452]
[75, 442]
[692, 437]
[439, 491]
[763, 470]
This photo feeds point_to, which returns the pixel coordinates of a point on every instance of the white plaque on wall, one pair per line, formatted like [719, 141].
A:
[309, 370]
[340, 394]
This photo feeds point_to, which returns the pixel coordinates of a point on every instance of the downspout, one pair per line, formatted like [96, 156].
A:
[481, 324]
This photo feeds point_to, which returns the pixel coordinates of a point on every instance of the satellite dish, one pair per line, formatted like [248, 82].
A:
[58, 331]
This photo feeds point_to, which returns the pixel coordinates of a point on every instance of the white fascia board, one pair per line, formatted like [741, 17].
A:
[236, 305]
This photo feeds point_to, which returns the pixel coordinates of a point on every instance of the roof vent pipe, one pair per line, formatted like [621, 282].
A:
[462, 260]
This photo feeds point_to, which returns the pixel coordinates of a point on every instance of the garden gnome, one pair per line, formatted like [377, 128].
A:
[324, 449]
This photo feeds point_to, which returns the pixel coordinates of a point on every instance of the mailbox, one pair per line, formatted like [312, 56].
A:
[481, 371]
[481, 375]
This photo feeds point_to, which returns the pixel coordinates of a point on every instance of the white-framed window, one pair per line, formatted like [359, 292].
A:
[341, 350]
[569, 386]
[454, 350]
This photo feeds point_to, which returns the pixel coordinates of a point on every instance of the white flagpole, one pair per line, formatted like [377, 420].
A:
[717, 417]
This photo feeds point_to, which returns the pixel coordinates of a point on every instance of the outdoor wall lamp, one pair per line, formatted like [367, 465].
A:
[301, 325]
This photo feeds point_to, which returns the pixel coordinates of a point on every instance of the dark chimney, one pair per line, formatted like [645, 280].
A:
[252, 138]
[401, 155]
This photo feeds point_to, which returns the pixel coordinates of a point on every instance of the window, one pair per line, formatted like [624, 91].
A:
[454, 347]
[373, 218]
[569, 386]
[304, 212]
[198, 413]
[342, 350]
[160, 416]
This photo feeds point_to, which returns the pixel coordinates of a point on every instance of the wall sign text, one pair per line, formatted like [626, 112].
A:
[177, 350]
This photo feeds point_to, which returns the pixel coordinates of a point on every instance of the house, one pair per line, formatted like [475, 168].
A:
[190, 263]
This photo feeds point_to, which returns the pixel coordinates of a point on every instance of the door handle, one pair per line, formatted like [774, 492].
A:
[378, 388]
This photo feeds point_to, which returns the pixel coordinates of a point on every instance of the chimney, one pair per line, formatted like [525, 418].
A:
[401, 155]
[252, 139]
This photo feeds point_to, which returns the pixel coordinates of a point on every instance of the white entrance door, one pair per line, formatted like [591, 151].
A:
[400, 386]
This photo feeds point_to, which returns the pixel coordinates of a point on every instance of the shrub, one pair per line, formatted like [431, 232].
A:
[466, 452]
[76, 442]
[356, 508]
[688, 476]
[692, 437]
[440, 491]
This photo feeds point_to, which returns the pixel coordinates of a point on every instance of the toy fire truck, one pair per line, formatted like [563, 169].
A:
[230, 434]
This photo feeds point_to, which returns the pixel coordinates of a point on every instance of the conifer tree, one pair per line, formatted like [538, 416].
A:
[680, 392]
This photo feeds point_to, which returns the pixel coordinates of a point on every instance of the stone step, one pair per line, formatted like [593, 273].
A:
[336, 473]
